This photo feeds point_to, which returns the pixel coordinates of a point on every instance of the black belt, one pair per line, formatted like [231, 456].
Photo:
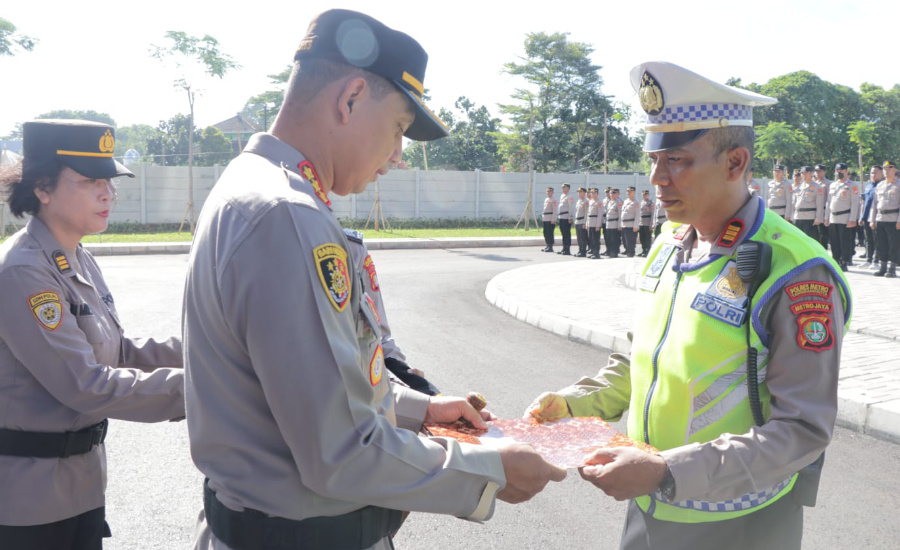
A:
[646, 215]
[841, 213]
[50, 444]
[612, 219]
[592, 215]
[776, 208]
[548, 213]
[808, 209]
[581, 219]
[894, 211]
[254, 530]
[626, 221]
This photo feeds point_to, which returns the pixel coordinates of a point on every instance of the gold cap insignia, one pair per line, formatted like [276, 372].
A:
[651, 95]
[107, 142]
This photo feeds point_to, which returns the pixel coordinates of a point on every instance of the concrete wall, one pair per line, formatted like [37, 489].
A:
[158, 194]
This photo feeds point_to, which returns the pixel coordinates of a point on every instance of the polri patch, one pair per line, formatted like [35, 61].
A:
[308, 171]
[814, 332]
[369, 266]
[728, 286]
[376, 366]
[331, 263]
[62, 262]
[47, 309]
[732, 231]
[812, 306]
[809, 288]
[719, 309]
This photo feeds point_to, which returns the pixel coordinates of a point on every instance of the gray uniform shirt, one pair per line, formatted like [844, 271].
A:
[659, 213]
[613, 211]
[593, 217]
[886, 205]
[288, 409]
[808, 202]
[549, 212]
[779, 200]
[646, 213]
[565, 207]
[843, 202]
[580, 209]
[65, 365]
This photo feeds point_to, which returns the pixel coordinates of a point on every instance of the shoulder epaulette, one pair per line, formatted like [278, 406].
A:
[353, 235]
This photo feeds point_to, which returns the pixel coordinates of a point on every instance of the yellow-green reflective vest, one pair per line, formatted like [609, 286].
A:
[688, 366]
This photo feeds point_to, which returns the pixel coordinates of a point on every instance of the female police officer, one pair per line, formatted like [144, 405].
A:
[64, 365]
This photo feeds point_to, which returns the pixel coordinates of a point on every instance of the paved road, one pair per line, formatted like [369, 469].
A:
[436, 304]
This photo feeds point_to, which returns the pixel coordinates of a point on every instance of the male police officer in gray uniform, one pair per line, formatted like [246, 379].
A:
[885, 220]
[580, 216]
[564, 215]
[630, 222]
[780, 193]
[646, 222]
[291, 419]
[841, 213]
[809, 201]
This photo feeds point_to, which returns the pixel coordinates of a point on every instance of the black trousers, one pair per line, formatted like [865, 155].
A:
[646, 241]
[823, 236]
[807, 227]
[595, 241]
[887, 239]
[581, 236]
[549, 227]
[841, 242]
[657, 230]
[630, 239]
[615, 242]
[778, 525]
[83, 532]
[606, 239]
[565, 227]
[870, 241]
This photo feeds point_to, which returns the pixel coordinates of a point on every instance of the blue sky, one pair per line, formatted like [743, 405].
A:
[95, 55]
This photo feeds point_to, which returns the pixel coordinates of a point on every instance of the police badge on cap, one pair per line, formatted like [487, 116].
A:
[681, 105]
[84, 146]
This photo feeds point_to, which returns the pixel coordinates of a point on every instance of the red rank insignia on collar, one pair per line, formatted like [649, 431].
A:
[308, 171]
[732, 231]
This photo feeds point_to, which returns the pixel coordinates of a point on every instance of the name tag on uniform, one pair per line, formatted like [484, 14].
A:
[659, 263]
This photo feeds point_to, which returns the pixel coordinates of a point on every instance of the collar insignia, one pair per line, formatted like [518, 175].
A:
[308, 171]
[62, 263]
[732, 231]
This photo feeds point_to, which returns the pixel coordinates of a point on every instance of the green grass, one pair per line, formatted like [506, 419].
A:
[369, 234]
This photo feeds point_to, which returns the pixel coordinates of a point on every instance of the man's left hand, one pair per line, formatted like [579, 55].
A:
[450, 409]
[624, 472]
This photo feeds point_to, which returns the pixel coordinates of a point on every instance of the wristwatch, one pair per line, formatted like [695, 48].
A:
[667, 485]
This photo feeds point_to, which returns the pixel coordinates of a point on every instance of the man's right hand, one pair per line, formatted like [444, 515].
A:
[548, 406]
[526, 472]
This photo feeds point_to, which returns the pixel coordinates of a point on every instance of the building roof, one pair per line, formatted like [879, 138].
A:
[237, 125]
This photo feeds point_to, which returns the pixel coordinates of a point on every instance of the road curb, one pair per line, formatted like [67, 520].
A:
[124, 249]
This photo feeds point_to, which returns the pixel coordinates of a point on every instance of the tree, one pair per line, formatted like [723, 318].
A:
[470, 145]
[780, 140]
[822, 111]
[189, 52]
[10, 40]
[862, 133]
[882, 108]
[134, 137]
[215, 148]
[569, 109]
[261, 108]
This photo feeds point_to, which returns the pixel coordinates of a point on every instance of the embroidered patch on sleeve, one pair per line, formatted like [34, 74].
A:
[813, 306]
[331, 264]
[47, 309]
[809, 288]
[369, 266]
[309, 172]
[814, 332]
[376, 366]
[373, 308]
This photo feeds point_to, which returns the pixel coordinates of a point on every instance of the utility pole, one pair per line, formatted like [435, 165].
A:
[605, 168]
[424, 154]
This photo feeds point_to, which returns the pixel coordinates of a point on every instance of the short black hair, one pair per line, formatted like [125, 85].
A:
[19, 181]
[732, 137]
[310, 76]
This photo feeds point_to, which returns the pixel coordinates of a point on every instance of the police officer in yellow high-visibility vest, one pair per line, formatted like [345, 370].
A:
[732, 467]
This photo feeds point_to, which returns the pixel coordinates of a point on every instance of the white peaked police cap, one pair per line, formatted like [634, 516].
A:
[681, 105]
